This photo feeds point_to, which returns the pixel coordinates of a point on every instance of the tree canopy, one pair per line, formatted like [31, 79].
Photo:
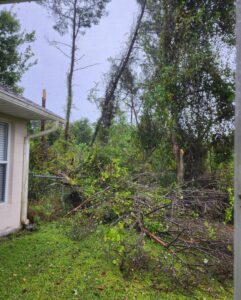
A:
[14, 61]
[190, 90]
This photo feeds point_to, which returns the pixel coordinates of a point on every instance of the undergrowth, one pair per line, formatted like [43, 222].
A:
[49, 264]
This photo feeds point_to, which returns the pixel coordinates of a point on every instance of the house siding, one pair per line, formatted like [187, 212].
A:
[10, 210]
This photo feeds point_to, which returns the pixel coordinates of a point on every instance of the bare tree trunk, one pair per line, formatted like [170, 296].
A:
[180, 167]
[179, 153]
[44, 106]
[43, 147]
[131, 116]
[71, 74]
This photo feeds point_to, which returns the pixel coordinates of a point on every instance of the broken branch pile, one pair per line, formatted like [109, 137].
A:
[186, 222]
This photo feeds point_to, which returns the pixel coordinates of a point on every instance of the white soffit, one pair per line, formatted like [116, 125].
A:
[17, 106]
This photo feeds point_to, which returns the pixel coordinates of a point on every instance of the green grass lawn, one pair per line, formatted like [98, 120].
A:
[47, 264]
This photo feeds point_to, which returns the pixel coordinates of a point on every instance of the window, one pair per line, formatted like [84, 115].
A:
[3, 160]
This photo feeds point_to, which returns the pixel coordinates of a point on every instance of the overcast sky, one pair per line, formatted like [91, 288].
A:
[99, 43]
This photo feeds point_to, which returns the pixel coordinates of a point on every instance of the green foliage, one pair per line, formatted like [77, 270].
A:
[14, 61]
[88, 170]
[47, 264]
[81, 132]
[222, 148]
[118, 188]
[189, 95]
[88, 13]
[116, 237]
[129, 207]
[211, 231]
[231, 199]
[81, 227]
[155, 226]
[67, 162]
[48, 199]
[224, 171]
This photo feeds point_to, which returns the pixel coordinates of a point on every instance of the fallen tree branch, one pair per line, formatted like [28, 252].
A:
[86, 201]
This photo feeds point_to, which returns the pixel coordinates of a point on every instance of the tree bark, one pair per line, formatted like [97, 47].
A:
[179, 154]
[108, 105]
[44, 106]
[71, 73]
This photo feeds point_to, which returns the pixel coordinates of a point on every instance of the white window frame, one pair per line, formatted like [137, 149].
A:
[5, 198]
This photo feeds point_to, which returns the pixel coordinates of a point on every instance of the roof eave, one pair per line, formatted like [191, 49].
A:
[30, 106]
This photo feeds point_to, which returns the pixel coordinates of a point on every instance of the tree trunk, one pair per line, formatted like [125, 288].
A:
[108, 107]
[71, 74]
[196, 161]
[44, 106]
[179, 153]
[43, 146]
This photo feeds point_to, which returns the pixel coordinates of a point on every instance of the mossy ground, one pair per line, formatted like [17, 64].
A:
[47, 264]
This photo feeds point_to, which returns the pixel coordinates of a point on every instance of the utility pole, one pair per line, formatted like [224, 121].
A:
[44, 147]
[44, 106]
[237, 207]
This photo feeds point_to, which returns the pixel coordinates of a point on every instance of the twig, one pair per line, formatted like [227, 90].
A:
[83, 68]
[86, 201]
[177, 237]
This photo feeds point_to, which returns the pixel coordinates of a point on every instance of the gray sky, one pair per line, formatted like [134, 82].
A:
[99, 43]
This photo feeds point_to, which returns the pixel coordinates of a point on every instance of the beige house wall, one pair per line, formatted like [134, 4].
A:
[11, 209]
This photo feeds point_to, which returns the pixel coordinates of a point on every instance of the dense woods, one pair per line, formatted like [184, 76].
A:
[158, 164]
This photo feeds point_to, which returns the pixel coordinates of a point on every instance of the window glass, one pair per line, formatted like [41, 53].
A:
[3, 141]
[3, 159]
[2, 182]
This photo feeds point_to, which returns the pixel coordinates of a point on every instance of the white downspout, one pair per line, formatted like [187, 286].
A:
[24, 198]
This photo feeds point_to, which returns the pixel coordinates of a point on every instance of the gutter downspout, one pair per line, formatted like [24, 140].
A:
[25, 181]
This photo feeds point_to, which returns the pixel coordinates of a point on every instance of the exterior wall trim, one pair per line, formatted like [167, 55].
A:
[6, 196]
